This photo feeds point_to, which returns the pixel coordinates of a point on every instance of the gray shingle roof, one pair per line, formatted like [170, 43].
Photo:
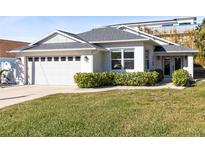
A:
[108, 34]
[100, 35]
[22, 48]
[47, 46]
[164, 48]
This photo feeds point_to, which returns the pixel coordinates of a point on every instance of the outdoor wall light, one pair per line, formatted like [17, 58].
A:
[86, 58]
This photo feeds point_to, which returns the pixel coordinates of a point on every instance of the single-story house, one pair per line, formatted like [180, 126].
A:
[55, 58]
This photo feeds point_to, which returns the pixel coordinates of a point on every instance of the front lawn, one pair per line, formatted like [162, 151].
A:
[114, 113]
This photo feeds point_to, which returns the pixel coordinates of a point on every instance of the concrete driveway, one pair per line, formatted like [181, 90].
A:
[17, 94]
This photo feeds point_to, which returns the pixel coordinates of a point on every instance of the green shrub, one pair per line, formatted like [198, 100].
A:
[180, 77]
[161, 74]
[91, 80]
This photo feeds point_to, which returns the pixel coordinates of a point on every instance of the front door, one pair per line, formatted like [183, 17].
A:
[167, 67]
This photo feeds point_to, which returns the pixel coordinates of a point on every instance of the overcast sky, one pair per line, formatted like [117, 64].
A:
[32, 28]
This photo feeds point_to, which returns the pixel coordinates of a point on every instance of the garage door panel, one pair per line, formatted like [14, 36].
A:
[60, 72]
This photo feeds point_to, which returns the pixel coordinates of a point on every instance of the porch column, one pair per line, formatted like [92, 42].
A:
[190, 68]
[139, 59]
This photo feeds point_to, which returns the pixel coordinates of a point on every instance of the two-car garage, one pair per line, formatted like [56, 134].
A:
[56, 58]
[57, 70]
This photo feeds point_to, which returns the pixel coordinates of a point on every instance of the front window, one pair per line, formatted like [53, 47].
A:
[116, 60]
[123, 58]
[129, 59]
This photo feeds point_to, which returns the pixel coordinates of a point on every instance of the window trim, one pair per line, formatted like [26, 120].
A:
[119, 51]
[131, 50]
[122, 50]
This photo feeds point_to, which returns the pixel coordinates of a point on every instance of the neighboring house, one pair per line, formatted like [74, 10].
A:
[179, 25]
[6, 45]
[179, 30]
[55, 58]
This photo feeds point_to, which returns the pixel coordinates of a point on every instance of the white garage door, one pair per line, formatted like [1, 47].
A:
[53, 70]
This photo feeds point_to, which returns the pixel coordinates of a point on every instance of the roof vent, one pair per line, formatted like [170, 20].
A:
[122, 27]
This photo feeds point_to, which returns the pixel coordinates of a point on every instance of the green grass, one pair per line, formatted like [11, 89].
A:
[114, 113]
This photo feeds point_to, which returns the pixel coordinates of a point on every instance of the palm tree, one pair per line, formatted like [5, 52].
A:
[200, 38]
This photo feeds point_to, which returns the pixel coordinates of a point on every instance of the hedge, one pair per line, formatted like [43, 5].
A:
[91, 80]
[161, 74]
[180, 77]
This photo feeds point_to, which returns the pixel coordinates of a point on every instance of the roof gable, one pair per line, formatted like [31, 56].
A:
[58, 37]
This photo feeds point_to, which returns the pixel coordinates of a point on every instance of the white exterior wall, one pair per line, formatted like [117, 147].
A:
[30, 72]
[151, 55]
[98, 59]
[139, 59]
[190, 65]
[87, 66]
[138, 55]
[107, 61]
